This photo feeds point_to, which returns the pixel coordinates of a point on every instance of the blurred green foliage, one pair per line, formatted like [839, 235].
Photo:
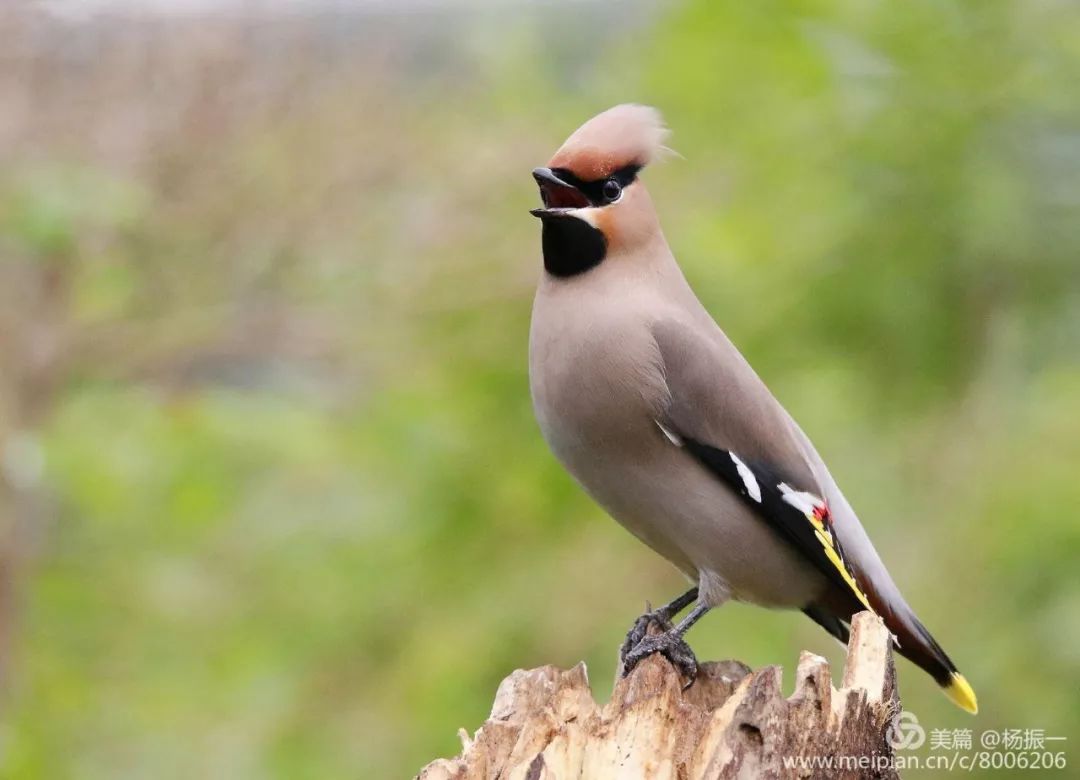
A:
[295, 518]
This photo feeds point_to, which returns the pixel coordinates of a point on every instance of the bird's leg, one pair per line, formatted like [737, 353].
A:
[661, 618]
[671, 644]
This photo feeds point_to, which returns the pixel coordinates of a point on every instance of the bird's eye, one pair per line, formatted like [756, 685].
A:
[612, 190]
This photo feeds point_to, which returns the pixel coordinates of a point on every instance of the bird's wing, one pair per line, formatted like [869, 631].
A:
[720, 411]
[800, 517]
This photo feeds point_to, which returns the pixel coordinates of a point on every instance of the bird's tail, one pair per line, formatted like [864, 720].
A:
[913, 641]
[917, 645]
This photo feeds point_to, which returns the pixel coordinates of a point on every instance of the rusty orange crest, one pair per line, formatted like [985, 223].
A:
[627, 134]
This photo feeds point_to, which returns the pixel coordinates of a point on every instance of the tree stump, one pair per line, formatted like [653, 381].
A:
[731, 723]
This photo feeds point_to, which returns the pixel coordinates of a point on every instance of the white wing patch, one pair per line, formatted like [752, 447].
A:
[672, 437]
[801, 500]
[753, 489]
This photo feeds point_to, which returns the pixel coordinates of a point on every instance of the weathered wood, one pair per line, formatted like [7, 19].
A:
[731, 723]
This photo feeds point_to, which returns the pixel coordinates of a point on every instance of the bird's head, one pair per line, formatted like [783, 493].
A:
[594, 203]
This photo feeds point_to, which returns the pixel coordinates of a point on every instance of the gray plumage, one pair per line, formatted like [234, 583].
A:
[626, 366]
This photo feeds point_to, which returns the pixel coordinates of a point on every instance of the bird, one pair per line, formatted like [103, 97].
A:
[657, 415]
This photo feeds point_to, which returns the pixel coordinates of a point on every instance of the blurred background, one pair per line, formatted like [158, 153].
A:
[273, 501]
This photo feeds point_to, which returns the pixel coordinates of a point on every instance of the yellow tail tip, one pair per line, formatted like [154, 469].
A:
[961, 693]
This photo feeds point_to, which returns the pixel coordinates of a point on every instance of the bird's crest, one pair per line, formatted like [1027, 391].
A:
[628, 134]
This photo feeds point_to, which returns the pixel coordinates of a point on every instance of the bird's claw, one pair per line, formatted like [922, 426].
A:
[658, 619]
[669, 644]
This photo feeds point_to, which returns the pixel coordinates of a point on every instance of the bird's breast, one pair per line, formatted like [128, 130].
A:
[596, 381]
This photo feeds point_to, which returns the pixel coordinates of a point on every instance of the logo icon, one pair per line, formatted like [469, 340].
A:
[905, 733]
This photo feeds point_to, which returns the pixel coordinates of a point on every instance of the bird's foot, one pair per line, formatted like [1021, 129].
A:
[654, 621]
[670, 644]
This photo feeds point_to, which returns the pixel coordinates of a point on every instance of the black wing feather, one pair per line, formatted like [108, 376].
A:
[814, 540]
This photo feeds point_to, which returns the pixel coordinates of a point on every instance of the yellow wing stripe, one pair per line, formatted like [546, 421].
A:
[825, 537]
[816, 511]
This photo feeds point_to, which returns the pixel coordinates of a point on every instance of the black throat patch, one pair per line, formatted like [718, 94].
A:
[571, 246]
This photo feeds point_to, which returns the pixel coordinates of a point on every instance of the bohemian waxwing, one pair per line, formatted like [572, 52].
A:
[658, 416]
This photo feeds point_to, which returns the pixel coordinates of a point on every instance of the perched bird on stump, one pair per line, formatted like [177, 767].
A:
[658, 416]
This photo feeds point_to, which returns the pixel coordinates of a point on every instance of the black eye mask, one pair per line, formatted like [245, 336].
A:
[594, 190]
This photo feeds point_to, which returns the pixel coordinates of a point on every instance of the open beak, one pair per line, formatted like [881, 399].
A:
[558, 196]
